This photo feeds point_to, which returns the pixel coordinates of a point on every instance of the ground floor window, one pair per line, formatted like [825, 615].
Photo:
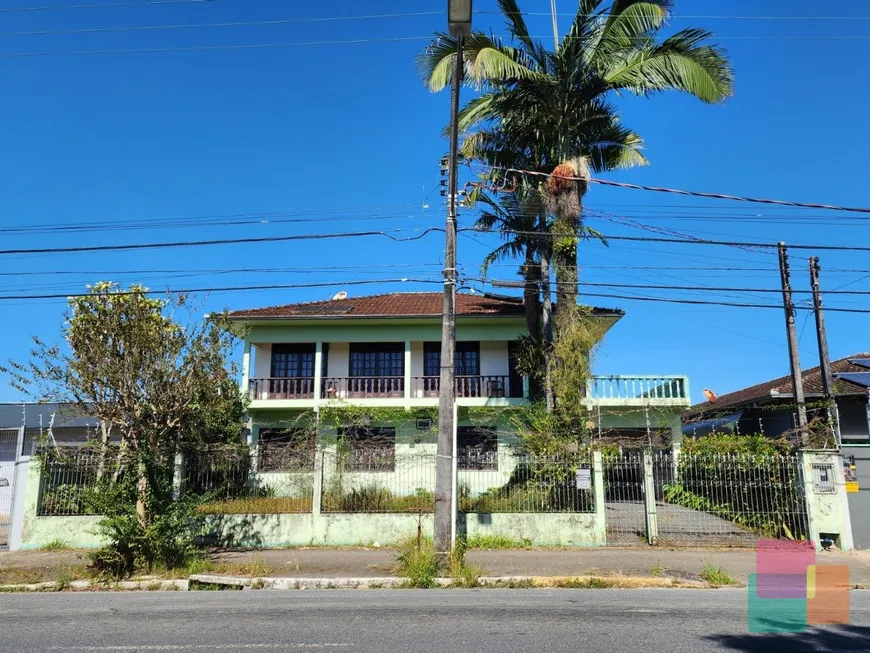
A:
[367, 449]
[285, 450]
[477, 448]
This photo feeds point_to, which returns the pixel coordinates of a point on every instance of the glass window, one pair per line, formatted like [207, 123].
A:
[367, 449]
[289, 361]
[477, 448]
[285, 450]
[382, 359]
[466, 359]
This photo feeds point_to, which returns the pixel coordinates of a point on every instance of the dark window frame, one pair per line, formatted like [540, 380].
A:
[285, 450]
[368, 449]
[376, 360]
[303, 358]
[477, 448]
[467, 355]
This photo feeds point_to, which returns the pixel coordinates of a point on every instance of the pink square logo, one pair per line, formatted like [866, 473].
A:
[784, 557]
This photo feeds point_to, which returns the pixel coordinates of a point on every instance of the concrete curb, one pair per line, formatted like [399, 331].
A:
[90, 585]
[392, 582]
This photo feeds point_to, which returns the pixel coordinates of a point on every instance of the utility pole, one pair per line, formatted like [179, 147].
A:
[797, 384]
[459, 22]
[555, 25]
[824, 358]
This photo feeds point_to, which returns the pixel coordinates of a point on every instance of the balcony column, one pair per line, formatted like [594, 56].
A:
[246, 368]
[408, 389]
[318, 370]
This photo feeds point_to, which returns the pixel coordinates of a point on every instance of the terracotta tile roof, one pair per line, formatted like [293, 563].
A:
[399, 304]
[812, 380]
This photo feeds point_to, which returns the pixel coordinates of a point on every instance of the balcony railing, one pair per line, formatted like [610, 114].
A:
[466, 386]
[361, 387]
[282, 388]
[617, 389]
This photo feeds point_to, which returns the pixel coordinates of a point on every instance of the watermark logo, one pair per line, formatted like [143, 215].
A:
[790, 592]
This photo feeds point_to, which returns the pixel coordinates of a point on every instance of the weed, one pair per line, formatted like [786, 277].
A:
[258, 584]
[258, 567]
[155, 586]
[464, 575]
[593, 582]
[716, 575]
[64, 580]
[657, 569]
[495, 541]
[418, 564]
[56, 544]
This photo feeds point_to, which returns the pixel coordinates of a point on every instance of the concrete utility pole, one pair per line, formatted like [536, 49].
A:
[824, 358]
[459, 22]
[793, 355]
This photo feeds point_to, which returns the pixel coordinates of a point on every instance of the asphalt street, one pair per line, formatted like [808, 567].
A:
[405, 621]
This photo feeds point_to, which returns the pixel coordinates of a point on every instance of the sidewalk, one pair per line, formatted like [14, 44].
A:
[359, 563]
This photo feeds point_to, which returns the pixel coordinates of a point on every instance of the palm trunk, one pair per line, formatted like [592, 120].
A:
[532, 304]
[546, 324]
[565, 264]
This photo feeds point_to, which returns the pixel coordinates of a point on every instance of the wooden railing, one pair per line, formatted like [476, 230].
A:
[357, 387]
[638, 389]
[466, 386]
[292, 387]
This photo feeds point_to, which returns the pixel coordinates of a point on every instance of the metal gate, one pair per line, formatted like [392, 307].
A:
[729, 500]
[8, 455]
[624, 507]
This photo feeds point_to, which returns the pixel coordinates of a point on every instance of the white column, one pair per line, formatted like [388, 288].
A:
[246, 368]
[408, 389]
[318, 370]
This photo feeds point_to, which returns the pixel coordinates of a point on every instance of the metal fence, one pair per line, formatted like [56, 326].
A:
[378, 478]
[69, 480]
[505, 481]
[225, 480]
[729, 500]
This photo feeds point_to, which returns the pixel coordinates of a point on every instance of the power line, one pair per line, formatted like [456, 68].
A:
[356, 282]
[101, 6]
[584, 284]
[678, 16]
[207, 48]
[677, 191]
[256, 23]
[649, 239]
[227, 241]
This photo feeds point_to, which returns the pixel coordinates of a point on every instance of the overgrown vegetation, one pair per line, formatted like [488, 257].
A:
[720, 474]
[156, 384]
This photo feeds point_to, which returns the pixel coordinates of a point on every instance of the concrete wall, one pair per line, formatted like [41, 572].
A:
[827, 501]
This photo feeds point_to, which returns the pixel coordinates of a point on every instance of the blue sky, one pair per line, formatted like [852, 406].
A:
[343, 137]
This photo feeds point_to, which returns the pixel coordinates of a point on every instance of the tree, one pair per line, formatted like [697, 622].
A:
[157, 383]
[550, 111]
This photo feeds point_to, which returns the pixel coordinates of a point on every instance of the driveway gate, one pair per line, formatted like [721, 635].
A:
[8, 455]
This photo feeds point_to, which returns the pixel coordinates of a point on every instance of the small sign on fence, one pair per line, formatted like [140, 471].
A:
[584, 479]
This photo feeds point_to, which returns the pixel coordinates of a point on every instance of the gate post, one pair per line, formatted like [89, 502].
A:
[598, 489]
[826, 499]
[649, 497]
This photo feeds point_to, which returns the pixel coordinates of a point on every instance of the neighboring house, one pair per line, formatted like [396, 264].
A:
[768, 407]
[384, 351]
[27, 424]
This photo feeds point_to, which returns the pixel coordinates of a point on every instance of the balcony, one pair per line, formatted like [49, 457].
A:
[421, 390]
[618, 390]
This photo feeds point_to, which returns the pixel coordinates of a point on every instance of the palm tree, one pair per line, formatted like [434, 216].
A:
[549, 111]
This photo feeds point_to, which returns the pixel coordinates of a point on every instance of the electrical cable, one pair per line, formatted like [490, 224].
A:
[226, 241]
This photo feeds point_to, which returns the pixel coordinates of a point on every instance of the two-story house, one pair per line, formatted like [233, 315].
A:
[384, 351]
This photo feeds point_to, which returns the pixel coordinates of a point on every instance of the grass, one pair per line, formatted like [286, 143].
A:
[55, 545]
[31, 576]
[657, 569]
[496, 541]
[373, 498]
[256, 568]
[716, 576]
[256, 506]
[417, 562]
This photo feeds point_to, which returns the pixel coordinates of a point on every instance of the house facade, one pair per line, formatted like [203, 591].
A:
[383, 352]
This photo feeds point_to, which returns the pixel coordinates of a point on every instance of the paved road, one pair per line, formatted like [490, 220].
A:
[404, 621]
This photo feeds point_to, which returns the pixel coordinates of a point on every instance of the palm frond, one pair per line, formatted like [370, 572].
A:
[628, 26]
[681, 62]
[517, 28]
